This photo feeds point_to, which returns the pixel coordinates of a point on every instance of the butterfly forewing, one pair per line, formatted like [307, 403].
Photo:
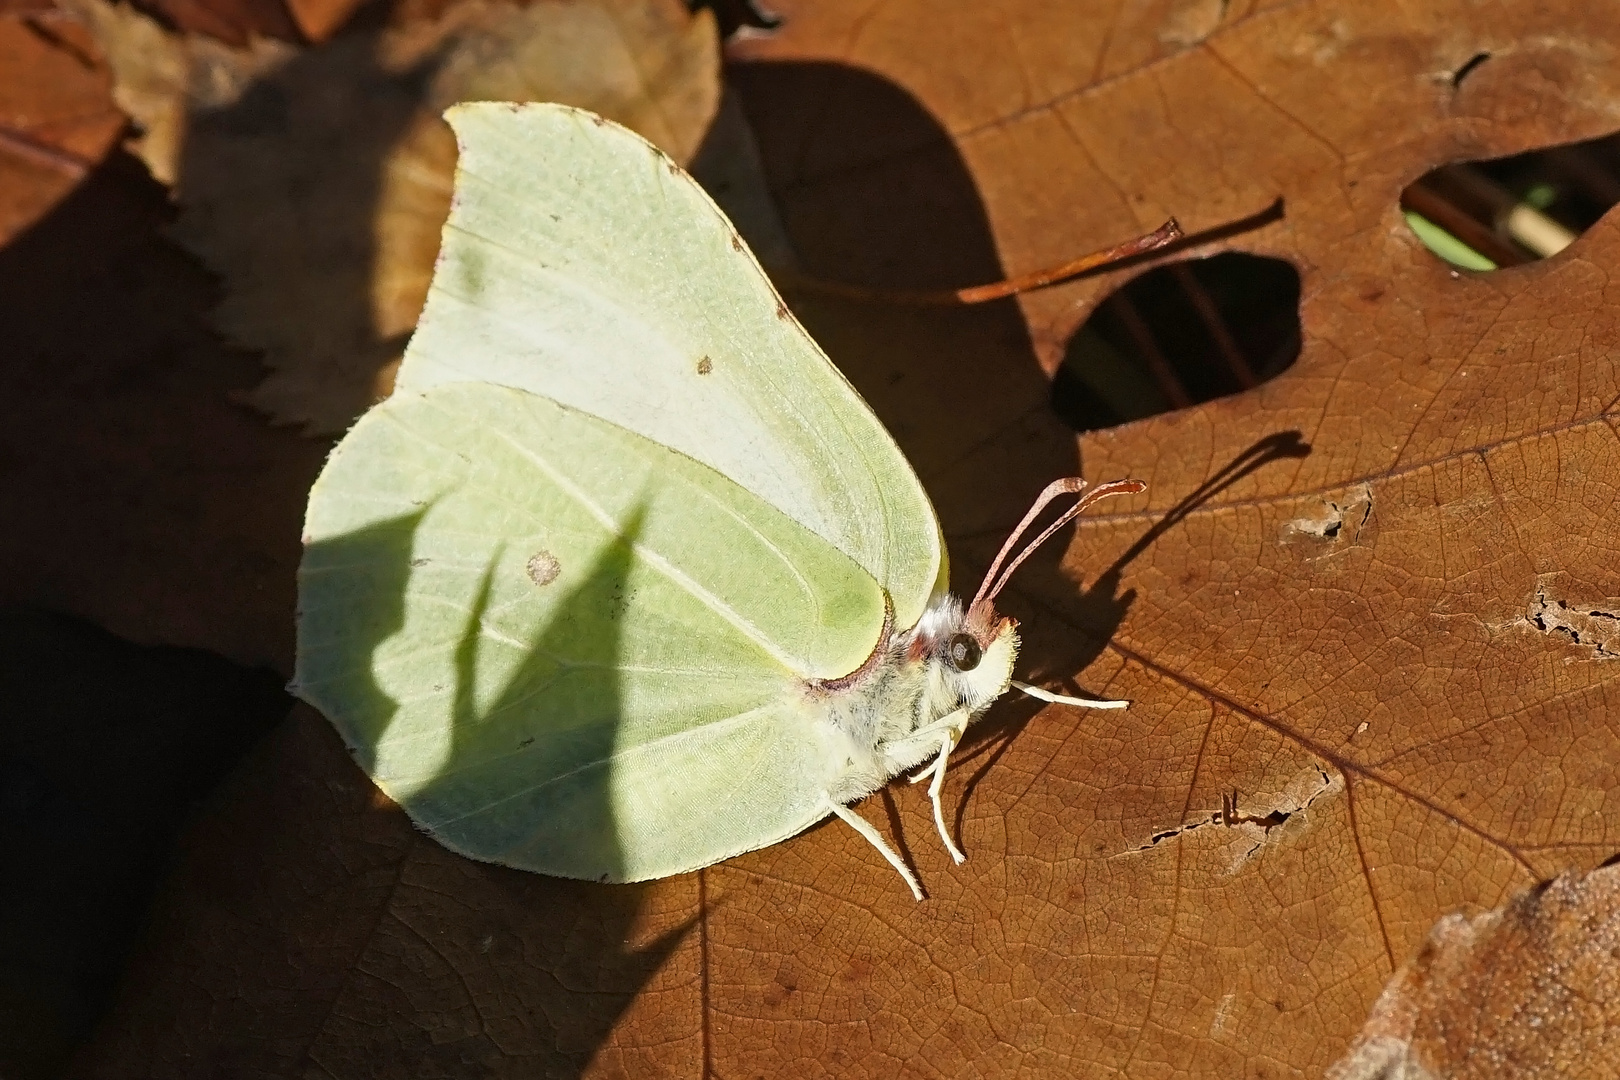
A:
[581, 263]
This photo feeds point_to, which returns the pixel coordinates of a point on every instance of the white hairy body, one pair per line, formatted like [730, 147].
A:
[892, 715]
[911, 701]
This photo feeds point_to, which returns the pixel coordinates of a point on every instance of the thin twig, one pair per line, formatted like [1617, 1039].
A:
[20, 145]
[1204, 304]
[1163, 236]
[1152, 355]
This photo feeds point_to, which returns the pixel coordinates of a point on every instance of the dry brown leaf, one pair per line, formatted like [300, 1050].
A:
[318, 20]
[1527, 991]
[234, 22]
[315, 182]
[55, 123]
[159, 77]
[1406, 726]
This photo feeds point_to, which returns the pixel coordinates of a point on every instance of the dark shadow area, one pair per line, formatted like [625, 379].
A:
[871, 188]
[1508, 211]
[105, 747]
[577, 972]
[136, 493]
[531, 777]
[337, 640]
[115, 209]
[1100, 610]
[872, 192]
[1181, 334]
[282, 188]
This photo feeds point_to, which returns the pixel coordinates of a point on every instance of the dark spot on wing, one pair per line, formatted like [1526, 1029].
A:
[473, 272]
[736, 242]
[704, 366]
[543, 568]
[781, 310]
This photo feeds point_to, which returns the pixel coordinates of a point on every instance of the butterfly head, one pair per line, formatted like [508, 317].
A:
[969, 652]
[983, 645]
[983, 652]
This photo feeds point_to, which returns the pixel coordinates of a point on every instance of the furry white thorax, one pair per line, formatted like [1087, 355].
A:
[893, 715]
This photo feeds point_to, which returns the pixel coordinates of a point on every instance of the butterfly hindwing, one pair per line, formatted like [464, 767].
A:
[564, 647]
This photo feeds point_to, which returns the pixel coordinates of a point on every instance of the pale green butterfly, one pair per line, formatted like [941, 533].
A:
[626, 579]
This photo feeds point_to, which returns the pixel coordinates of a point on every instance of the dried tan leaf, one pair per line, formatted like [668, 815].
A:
[315, 181]
[1528, 991]
[55, 121]
[160, 78]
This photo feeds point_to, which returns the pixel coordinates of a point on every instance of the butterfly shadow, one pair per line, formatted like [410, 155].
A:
[1099, 610]
[873, 193]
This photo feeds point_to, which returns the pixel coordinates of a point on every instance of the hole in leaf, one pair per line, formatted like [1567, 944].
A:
[1178, 335]
[1482, 215]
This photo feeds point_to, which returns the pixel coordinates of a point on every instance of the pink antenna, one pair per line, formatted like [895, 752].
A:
[1069, 485]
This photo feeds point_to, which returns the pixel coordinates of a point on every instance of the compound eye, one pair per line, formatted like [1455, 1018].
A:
[963, 652]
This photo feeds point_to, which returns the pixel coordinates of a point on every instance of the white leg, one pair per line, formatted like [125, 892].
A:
[948, 740]
[955, 721]
[859, 824]
[949, 744]
[1064, 699]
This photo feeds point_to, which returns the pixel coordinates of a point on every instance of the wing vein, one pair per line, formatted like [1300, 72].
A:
[651, 557]
[717, 726]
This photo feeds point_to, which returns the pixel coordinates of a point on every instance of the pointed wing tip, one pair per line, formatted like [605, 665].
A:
[483, 127]
[465, 115]
[463, 109]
